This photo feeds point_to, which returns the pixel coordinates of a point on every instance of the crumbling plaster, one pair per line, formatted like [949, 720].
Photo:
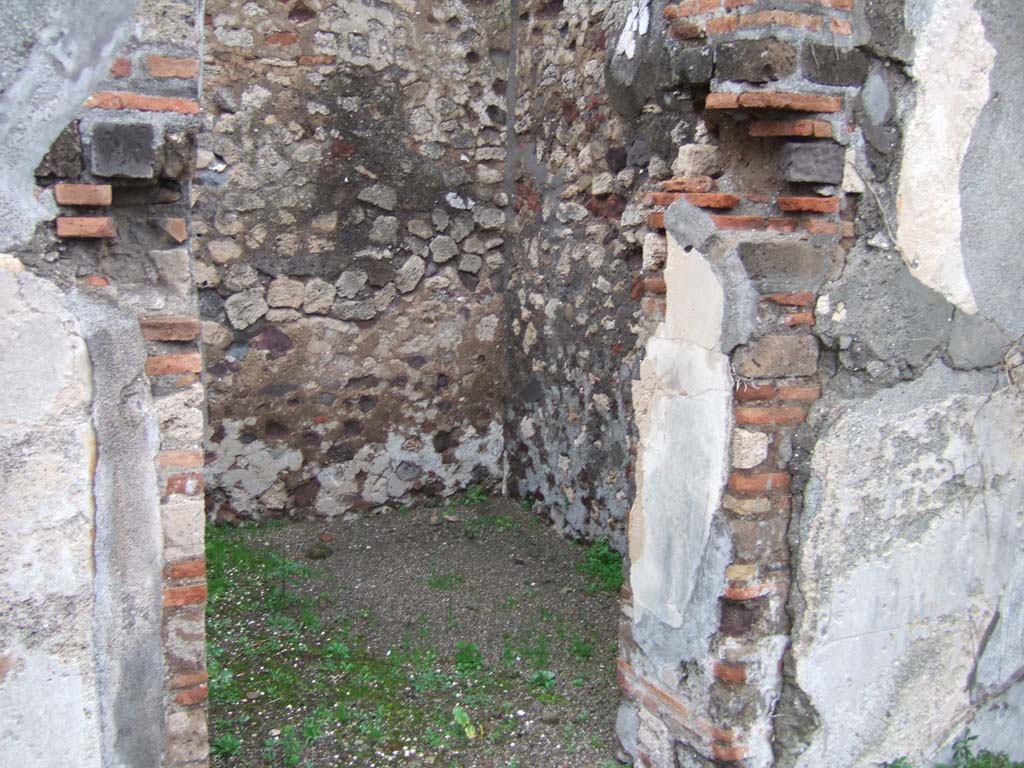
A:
[52, 55]
[47, 605]
[910, 548]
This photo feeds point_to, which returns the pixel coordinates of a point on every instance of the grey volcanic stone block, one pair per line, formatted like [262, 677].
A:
[124, 150]
[834, 66]
[816, 161]
[784, 265]
[754, 61]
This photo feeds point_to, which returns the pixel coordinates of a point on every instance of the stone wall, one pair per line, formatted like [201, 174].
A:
[351, 236]
[575, 275]
[102, 617]
[843, 594]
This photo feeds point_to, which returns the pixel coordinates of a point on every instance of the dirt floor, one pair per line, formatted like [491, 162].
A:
[464, 635]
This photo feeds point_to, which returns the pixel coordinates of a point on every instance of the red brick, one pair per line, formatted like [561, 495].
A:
[655, 285]
[755, 198]
[316, 61]
[191, 696]
[804, 394]
[821, 227]
[166, 66]
[121, 68]
[722, 26]
[83, 194]
[759, 482]
[175, 597]
[799, 299]
[752, 416]
[745, 393]
[733, 4]
[748, 592]
[741, 222]
[86, 226]
[776, 224]
[798, 102]
[96, 281]
[809, 128]
[723, 735]
[840, 27]
[731, 754]
[282, 38]
[722, 101]
[192, 679]
[165, 365]
[189, 569]
[799, 318]
[125, 100]
[185, 484]
[812, 204]
[781, 19]
[656, 220]
[660, 198]
[685, 30]
[179, 459]
[839, 5]
[170, 328]
[735, 674]
[712, 200]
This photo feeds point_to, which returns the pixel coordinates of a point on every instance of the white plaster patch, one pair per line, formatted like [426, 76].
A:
[637, 23]
[952, 65]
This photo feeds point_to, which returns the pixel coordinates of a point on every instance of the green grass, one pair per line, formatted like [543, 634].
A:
[602, 566]
[445, 582]
[290, 681]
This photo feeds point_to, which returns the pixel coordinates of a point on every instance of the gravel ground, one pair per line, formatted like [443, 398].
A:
[457, 636]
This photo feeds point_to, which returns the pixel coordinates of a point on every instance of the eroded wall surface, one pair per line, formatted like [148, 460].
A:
[352, 250]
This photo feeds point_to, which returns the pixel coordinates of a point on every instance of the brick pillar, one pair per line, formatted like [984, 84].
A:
[775, 187]
[127, 216]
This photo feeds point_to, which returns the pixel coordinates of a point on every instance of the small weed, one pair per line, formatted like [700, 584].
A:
[291, 746]
[581, 649]
[543, 679]
[461, 716]
[964, 756]
[468, 658]
[446, 582]
[226, 745]
[602, 566]
[475, 494]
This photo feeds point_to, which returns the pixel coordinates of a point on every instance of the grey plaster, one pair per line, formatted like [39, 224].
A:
[52, 55]
[887, 314]
[128, 548]
[975, 342]
[992, 176]
[909, 552]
